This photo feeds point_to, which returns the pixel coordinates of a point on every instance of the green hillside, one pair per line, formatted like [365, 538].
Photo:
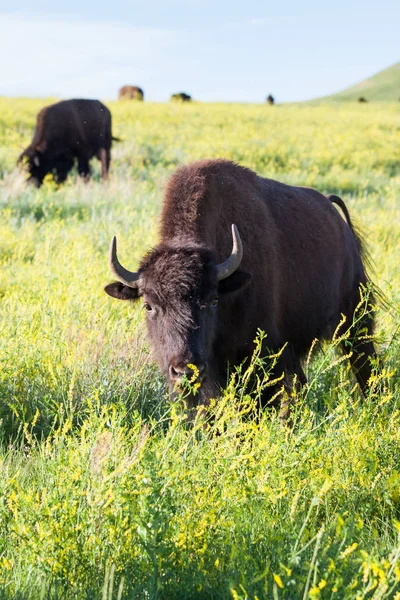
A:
[385, 85]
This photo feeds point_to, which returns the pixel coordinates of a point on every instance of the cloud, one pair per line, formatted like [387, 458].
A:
[50, 56]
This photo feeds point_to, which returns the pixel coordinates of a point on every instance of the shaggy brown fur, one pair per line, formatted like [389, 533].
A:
[131, 92]
[301, 270]
[67, 131]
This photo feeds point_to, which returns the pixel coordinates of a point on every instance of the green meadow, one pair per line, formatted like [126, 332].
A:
[105, 491]
[383, 86]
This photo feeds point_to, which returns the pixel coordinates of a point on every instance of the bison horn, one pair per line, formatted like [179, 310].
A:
[230, 265]
[127, 277]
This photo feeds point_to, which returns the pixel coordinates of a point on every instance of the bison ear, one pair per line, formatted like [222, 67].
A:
[234, 282]
[121, 292]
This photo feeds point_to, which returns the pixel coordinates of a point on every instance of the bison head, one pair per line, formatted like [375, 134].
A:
[34, 163]
[180, 288]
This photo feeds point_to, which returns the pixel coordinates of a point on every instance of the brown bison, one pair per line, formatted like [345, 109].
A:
[295, 268]
[362, 99]
[181, 97]
[65, 131]
[270, 99]
[131, 92]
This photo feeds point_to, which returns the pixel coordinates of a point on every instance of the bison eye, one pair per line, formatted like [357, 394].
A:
[211, 304]
[147, 306]
[214, 302]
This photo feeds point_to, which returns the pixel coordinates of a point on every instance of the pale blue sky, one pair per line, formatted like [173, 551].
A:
[214, 50]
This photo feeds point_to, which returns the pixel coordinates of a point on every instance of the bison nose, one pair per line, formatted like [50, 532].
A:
[178, 370]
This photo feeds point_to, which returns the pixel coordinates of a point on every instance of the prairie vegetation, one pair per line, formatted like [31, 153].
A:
[382, 86]
[104, 490]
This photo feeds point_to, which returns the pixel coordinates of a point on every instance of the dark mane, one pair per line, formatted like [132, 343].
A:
[193, 195]
[39, 130]
[177, 271]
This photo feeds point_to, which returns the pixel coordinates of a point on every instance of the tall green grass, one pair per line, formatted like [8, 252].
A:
[106, 491]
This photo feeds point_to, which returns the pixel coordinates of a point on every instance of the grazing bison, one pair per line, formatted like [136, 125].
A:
[362, 99]
[181, 97]
[131, 92]
[65, 131]
[294, 270]
[270, 99]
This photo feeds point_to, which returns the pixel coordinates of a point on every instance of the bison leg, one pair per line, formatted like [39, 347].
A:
[83, 167]
[362, 353]
[281, 395]
[361, 363]
[362, 348]
[63, 166]
[293, 382]
[105, 159]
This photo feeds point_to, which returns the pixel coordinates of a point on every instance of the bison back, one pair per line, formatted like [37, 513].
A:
[75, 124]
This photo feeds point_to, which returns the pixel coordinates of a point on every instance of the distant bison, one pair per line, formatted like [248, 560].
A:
[362, 99]
[294, 270]
[270, 99]
[69, 130]
[131, 92]
[181, 97]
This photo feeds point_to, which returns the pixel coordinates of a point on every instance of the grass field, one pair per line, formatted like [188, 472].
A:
[104, 491]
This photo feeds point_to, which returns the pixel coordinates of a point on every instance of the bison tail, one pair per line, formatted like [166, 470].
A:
[116, 139]
[356, 231]
[336, 200]
[357, 234]
[378, 294]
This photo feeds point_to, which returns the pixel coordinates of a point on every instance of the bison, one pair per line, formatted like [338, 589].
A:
[65, 131]
[181, 97]
[131, 92]
[270, 99]
[239, 253]
[362, 100]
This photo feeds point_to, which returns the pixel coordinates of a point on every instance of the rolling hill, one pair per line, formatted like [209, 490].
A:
[383, 86]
